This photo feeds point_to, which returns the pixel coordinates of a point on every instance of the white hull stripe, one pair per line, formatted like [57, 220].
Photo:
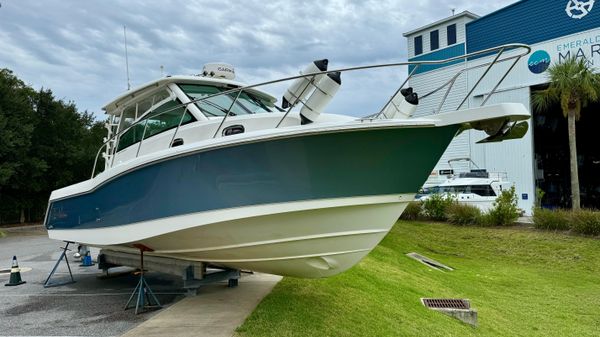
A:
[271, 242]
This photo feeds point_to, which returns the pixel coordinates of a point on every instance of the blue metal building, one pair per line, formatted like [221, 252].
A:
[555, 30]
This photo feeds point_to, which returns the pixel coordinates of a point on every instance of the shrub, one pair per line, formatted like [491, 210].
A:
[436, 206]
[586, 222]
[461, 214]
[505, 211]
[539, 195]
[412, 211]
[551, 219]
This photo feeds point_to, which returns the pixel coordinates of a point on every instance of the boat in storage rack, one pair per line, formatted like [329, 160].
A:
[204, 168]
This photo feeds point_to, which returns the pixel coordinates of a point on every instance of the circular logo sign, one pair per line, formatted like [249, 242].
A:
[577, 9]
[538, 62]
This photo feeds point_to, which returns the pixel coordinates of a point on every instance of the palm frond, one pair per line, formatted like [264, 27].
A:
[542, 100]
[573, 83]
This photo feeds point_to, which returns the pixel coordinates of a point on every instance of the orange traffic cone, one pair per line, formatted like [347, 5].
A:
[15, 274]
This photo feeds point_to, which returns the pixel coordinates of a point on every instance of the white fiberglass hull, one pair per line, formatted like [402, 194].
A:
[306, 239]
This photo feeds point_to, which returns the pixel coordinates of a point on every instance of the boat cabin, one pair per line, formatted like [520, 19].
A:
[179, 110]
[162, 114]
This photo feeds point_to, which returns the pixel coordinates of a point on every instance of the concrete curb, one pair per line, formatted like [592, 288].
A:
[216, 310]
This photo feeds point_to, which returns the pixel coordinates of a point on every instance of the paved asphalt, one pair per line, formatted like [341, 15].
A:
[93, 306]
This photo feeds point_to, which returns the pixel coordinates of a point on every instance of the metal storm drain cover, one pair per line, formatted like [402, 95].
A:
[453, 307]
[429, 262]
[446, 303]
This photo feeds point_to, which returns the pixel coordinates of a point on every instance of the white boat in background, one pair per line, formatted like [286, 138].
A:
[477, 187]
[204, 168]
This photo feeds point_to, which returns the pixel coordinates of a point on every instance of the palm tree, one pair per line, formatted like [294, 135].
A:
[573, 84]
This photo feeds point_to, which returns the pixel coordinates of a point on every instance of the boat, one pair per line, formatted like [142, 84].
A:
[205, 168]
[476, 187]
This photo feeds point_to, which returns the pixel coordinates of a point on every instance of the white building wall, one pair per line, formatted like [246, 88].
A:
[514, 157]
[443, 36]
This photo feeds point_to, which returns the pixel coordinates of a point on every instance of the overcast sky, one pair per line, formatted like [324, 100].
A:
[76, 48]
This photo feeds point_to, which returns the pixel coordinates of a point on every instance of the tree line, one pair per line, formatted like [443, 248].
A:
[45, 144]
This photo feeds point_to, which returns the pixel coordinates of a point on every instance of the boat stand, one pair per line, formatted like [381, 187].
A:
[145, 298]
[63, 255]
[195, 274]
[192, 285]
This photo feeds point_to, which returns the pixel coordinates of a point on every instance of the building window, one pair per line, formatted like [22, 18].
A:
[434, 38]
[418, 45]
[451, 30]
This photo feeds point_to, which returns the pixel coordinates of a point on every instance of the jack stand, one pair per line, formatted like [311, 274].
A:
[145, 296]
[63, 255]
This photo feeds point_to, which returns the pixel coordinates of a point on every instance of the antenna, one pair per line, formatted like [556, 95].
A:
[126, 57]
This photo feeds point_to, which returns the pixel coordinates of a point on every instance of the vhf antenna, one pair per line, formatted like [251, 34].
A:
[126, 57]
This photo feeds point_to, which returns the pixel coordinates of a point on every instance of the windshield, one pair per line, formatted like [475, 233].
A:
[218, 105]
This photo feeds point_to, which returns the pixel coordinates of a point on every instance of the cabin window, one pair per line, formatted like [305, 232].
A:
[418, 45]
[451, 33]
[127, 118]
[434, 39]
[218, 105]
[163, 118]
[481, 190]
[130, 137]
[166, 117]
[132, 112]
[148, 102]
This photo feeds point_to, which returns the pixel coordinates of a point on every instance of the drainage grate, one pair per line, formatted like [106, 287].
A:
[429, 262]
[446, 303]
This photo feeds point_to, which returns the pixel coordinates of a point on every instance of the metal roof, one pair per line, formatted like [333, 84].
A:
[143, 89]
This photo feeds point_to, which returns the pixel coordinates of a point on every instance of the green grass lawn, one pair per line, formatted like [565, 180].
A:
[522, 283]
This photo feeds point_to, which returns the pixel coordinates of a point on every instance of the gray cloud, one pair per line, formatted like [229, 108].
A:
[76, 48]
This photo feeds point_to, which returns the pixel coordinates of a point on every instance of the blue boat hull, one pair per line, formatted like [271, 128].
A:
[310, 167]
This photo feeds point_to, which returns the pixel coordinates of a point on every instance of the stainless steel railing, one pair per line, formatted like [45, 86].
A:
[520, 51]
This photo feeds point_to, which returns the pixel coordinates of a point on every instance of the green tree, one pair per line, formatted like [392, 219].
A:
[45, 144]
[573, 84]
[17, 123]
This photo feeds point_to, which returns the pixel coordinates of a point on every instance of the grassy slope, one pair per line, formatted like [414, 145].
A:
[522, 283]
